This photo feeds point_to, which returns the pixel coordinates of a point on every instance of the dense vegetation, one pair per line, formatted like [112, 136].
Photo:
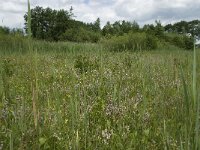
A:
[81, 96]
[60, 25]
[184, 27]
[55, 25]
[131, 41]
[62, 95]
[8, 31]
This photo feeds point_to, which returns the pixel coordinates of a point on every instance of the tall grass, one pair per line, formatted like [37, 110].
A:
[194, 84]
[196, 101]
[81, 96]
[191, 109]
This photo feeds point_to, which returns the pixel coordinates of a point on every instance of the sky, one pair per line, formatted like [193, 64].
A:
[142, 11]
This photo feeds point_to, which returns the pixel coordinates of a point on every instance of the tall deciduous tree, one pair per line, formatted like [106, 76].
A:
[46, 23]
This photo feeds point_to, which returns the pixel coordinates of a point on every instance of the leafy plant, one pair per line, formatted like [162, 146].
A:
[85, 64]
[131, 41]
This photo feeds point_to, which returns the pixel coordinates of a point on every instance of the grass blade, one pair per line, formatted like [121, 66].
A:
[194, 84]
[29, 20]
[186, 97]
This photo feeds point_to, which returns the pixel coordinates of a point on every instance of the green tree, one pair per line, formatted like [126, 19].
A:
[107, 29]
[4, 30]
[159, 29]
[120, 27]
[48, 24]
[61, 23]
[97, 25]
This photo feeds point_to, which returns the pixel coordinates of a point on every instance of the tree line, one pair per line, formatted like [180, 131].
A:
[57, 25]
[60, 25]
[15, 31]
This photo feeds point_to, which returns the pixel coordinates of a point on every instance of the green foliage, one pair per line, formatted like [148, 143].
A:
[96, 27]
[180, 41]
[188, 43]
[156, 30]
[119, 28]
[7, 73]
[20, 44]
[13, 43]
[13, 32]
[174, 35]
[92, 98]
[151, 42]
[4, 30]
[47, 24]
[56, 25]
[131, 41]
[184, 27]
[159, 30]
[85, 64]
[80, 35]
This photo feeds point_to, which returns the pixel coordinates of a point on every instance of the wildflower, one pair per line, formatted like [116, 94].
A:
[57, 136]
[106, 134]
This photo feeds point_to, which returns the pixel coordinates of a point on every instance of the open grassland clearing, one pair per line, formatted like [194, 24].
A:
[80, 96]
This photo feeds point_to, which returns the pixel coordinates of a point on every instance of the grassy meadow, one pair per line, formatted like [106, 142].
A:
[82, 96]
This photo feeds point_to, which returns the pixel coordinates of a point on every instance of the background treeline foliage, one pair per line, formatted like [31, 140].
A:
[55, 25]
[6, 31]
[131, 41]
[119, 28]
[59, 25]
[184, 27]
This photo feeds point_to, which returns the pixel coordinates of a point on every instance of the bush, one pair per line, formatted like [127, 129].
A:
[188, 43]
[85, 64]
[131, 41]
[151, 42]
[80, 35]
[180, 41]
[4, 30]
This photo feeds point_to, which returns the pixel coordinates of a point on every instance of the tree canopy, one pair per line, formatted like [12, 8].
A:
[55, 25]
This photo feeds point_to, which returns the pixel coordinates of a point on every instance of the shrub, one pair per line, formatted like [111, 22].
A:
[4, 30]
[131, 41]
[180, 41]
[188, 43]
[85, 64]
[80, 35]
[151, 42]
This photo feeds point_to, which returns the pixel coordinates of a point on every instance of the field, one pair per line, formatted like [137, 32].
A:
[82, 96]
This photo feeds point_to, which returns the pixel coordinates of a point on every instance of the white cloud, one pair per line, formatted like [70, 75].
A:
[143, 11]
